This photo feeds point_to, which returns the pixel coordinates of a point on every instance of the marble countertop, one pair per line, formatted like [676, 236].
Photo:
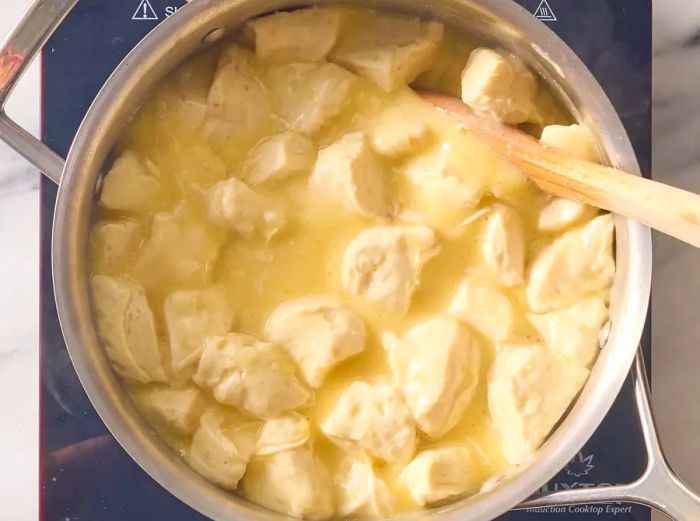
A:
[676, 282]
[676, 289]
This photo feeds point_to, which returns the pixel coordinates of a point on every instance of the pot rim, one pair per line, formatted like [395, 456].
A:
[556, 62]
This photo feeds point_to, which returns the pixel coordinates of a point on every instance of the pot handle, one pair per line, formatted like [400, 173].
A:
[658, 487]
[18, 51]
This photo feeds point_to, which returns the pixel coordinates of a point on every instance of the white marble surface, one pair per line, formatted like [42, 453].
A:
[676, 283]
[19, 303]
[676, 328]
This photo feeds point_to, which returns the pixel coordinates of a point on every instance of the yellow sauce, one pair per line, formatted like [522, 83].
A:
[305, 257]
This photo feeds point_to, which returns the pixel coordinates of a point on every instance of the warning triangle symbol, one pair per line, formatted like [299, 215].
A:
[544, 12]
[144, 11]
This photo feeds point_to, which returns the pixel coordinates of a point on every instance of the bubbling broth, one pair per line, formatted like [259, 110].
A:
[323, 293]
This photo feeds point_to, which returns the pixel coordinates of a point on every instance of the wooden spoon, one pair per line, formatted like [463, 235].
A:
[670, 210]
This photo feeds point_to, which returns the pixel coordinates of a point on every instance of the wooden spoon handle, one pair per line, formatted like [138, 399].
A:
[670, 210]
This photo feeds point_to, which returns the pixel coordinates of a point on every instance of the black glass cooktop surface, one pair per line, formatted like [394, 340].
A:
[85, 475]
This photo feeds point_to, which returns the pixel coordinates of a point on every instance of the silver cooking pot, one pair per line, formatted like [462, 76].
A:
[199, 25]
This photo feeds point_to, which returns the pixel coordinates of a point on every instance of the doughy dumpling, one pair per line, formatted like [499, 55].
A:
[191, 316]
[390, 50]
[573, 332]
[238, 104]
[436, 365]
[440, 473]
[442, 185]
[193, 164]
[360, 492]
[233, 53]
[349, 173]
[128, 185]
[504, 244]
[374, 418]
[115, 243]
[280, 157]
[293, 482]
[301, 35]
[383, 264]
[282, 433]
[126, 326]
[484, 307]
[398, 130]
[529, 390]
[499, 85]
[309, 94]
[575, 140]
[233, 204]
[253, 376]
[560, 213]
[577, 264]
[221, 448]
[179, 409]
[578, 142]
[186, 96]
[181, 249]
[318, 332]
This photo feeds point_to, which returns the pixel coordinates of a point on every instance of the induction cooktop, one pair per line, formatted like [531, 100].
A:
[85, 475]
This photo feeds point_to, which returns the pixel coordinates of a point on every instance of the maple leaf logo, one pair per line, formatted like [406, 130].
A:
[580, 466]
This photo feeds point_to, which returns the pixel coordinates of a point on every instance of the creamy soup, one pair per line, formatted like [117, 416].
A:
[323, 293]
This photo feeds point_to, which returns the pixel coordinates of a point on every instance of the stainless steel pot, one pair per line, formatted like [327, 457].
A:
[197, 25]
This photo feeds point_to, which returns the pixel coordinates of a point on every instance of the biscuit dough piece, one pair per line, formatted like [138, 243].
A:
[499, 85]
[280, 157]
[374, 418]
[360, 492]
[294, 482]
[559, 214]
[126, 326]
[349, 173]
[318, 332]
[129, 186]
[390, 50]
[190, 317]
[309, 95]
[221, 448]
[440, 473]
[529, 390]
[577, 264]
[383, 264]
[115, 243]
[254, 376]
[484, 307]
[180, 250]
[575, 140]
[238, 104]
[436, 365]
[234, 204]
[296, 36]
[282, 433]
[504, 244]
[573, 332]
[179, 409]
